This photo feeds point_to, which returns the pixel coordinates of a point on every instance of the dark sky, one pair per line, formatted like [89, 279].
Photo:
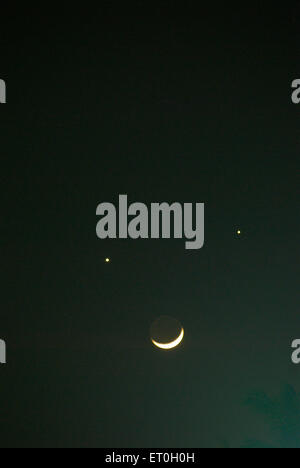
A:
[166, 103]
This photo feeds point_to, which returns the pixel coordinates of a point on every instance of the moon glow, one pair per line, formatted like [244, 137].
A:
[166, 332]
[171, 345]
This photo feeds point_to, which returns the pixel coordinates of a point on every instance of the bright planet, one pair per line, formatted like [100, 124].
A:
[166, 332]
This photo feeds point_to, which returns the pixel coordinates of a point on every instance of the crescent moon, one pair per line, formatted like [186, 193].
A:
[172, 344]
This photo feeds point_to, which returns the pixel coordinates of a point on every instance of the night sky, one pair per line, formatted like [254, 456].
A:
[163, 103]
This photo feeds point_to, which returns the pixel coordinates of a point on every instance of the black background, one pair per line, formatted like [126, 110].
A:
[173, 102]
